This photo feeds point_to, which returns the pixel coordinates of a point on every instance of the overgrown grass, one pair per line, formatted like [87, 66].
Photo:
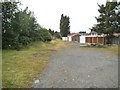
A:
[21, 67]
[111, 49]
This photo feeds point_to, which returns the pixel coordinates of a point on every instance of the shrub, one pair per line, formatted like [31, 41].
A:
[46, 36]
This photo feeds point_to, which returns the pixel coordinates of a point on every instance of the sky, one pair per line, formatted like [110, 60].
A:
[81, 12]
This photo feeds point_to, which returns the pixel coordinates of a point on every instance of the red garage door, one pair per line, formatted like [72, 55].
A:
[90, 39]
[94, 39]
[100, 40]
[87, 40]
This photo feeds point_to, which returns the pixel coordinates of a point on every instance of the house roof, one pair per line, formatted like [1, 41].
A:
[116, 34]
[73, 34]
[93, 32]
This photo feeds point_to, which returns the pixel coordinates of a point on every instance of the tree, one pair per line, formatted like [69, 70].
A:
[64, 25]
[107, 20]
[0, 25]
[51, 32]
[9, 36]
[82, 32]
[57, 35]
[27, 27]
[115, 18]
[95, 28]
[20, 27]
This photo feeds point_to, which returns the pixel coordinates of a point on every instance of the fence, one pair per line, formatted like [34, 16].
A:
[116, 40]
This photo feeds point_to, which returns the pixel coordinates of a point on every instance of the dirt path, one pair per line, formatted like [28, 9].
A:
[80, 68]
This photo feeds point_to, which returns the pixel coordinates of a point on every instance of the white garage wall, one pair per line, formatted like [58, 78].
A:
[64, 38]
[69, 38]
[82, 39]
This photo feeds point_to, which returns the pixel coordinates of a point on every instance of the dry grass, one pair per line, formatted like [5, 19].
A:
[111, 49]
[21, 67]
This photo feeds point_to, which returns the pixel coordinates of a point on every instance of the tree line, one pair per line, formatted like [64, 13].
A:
[20, 27]
[64, 27]
[55, 34]
[108, 21]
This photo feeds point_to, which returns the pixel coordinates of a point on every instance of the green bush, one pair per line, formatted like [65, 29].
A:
[20, 27]
[46, 36]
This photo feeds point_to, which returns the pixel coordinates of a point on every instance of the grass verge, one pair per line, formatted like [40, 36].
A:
[111, 49]
[21, 67]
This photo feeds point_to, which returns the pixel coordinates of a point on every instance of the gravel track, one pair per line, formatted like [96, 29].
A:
[76, 67]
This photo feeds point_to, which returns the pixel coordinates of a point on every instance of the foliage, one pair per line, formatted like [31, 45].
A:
[46, 36]
[51, 32]
[81, 32]
[55, 34]
[96, 45]
[108, 21]
[9, 35]
[58, 35]
[64, 25]
[20, 27]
